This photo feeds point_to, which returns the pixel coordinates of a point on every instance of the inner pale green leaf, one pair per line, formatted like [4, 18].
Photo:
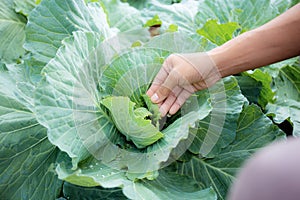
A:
[131, 122]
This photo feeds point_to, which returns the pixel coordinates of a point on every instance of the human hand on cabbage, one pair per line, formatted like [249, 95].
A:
[180, 76]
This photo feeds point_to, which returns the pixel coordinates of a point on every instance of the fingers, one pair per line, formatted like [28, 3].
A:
[184, 95]
[159, 79]
[151, 91]
[167, 87]
[167, 104]
[164, 82]
[174, 101]
[170, 89]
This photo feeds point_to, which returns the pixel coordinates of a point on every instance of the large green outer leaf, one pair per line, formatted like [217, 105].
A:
[12, 34]
[90, 173]
[169, 186]
[70, 87]
[26, 156]
[166, 186]
[254, 130]
[287, 103]
[54, 20]
[27, 76]
[218, 129]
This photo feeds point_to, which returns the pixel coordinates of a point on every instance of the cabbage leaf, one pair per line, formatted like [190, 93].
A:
[76, 122]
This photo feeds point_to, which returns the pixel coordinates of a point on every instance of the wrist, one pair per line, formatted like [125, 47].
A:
[234, 56]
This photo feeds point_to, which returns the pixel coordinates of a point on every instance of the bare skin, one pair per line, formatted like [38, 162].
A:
[181, 75]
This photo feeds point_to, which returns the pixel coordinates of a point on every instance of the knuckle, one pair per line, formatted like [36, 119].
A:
[164, 91]
[175, 76]
[171, 57]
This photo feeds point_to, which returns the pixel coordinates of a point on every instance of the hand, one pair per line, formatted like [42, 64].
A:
[180, 76]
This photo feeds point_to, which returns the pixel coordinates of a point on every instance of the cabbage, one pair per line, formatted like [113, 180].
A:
[74, 118]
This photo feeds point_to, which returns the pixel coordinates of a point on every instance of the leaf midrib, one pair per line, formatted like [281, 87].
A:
[12, 21]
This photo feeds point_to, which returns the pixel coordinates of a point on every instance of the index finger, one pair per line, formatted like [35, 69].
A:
[159, 79]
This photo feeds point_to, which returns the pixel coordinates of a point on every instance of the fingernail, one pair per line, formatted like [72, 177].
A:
[154, 97]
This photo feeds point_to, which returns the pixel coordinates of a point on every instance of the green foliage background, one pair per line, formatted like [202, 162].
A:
[57, 56]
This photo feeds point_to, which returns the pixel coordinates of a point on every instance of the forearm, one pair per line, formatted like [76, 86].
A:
[277, 40]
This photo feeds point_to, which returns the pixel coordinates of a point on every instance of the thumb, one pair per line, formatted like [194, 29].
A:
[166, 88]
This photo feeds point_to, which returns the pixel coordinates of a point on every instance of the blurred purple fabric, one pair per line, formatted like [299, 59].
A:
[273, 173]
